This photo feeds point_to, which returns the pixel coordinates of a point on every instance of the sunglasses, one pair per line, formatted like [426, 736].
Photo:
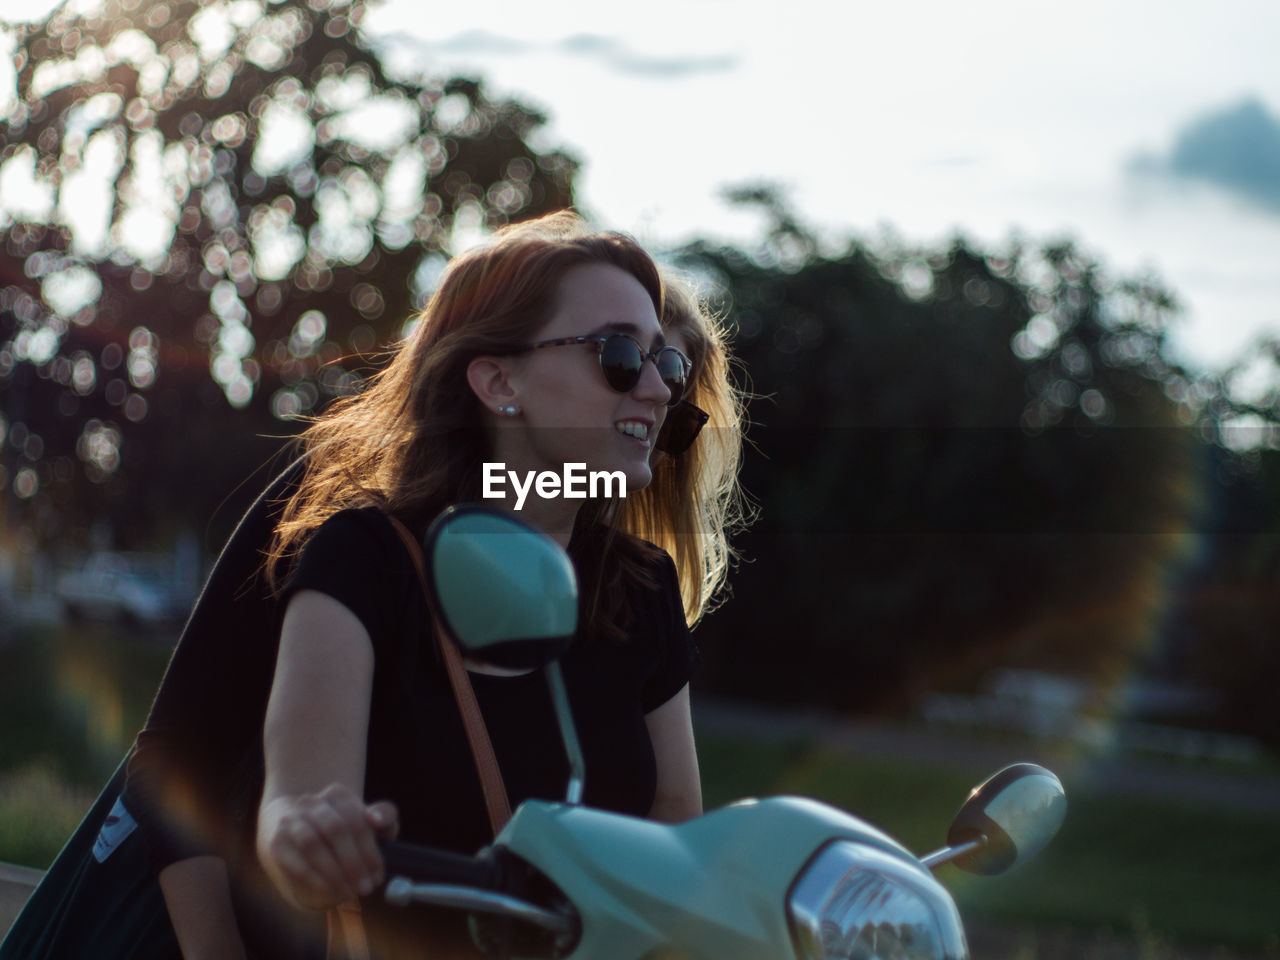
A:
[681, 427]
[622, 361]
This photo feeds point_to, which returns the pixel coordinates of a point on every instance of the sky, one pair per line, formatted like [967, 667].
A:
[1147, 133]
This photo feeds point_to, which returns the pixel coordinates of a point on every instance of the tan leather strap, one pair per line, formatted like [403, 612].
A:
[347, 939]
[495, 792]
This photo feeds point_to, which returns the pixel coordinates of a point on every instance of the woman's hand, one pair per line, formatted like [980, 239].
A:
[321, 849]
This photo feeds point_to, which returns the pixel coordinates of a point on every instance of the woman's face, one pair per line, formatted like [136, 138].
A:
[568, 412]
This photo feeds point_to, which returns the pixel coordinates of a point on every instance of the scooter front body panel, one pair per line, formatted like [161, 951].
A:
[713, 887]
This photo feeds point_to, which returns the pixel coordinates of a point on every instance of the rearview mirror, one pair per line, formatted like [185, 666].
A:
[504, 590]
[1013, 815]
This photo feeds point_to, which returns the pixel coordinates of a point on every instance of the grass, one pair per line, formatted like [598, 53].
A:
[70, 701]
[38, 812]
[1149, 870]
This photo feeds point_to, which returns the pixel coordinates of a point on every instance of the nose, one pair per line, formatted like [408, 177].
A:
[650, 388]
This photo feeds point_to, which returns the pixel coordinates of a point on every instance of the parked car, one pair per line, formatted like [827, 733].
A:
[133, 588]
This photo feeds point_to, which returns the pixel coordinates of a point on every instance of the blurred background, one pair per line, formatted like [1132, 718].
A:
[1002, 283]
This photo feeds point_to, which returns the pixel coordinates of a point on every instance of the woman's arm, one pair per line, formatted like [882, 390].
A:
[679, 793]
[198, 895]
[316, 836]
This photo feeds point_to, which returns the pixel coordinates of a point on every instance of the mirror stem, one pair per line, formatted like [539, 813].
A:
[577, 769]
[947, 854]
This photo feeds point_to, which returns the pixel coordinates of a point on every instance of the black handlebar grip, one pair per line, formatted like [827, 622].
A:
[430, 865]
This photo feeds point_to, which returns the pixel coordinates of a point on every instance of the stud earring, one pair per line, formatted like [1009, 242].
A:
[508, 411]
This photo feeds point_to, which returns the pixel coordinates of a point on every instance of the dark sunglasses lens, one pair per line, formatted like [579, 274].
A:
[680, 429]
[674, 372]
[621, 360]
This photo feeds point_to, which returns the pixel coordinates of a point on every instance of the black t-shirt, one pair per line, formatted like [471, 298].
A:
[194, 773]
[417, 751]
[418, 756]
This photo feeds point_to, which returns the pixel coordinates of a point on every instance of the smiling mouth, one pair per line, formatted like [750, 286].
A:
[634, 429]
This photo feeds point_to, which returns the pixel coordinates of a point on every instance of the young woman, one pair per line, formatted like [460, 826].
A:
[541, 349]
[195, 771]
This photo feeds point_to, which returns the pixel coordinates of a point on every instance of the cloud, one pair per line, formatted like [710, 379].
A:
[480, 42]
[617, 56]
[610, 52]
[591, 44]
[1236, 147]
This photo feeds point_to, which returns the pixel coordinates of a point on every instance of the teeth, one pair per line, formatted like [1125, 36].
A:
[638, 430]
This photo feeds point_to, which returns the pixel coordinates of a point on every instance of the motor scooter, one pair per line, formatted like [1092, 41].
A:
[782, 877]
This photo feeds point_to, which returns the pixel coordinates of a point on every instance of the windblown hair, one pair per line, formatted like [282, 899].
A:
[413, 441]
[694, 502]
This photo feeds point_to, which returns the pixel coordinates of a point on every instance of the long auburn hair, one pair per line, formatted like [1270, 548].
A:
[413, 441]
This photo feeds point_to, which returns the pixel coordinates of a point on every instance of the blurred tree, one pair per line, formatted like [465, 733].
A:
[954, 453]
[211, 215]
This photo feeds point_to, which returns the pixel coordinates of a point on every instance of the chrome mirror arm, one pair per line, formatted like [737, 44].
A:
[577, 768]
[946, 854]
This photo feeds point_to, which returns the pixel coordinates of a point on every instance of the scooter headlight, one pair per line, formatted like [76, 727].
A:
[856, 902]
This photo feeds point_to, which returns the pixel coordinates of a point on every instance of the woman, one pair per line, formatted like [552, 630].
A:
[541, 349]
[195, 772]
[699, 479]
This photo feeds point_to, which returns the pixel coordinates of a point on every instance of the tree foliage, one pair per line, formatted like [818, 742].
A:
[213, 213]
[963, 458]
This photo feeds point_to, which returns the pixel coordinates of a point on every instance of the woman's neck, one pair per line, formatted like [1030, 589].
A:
[518, 489]
[555, 518]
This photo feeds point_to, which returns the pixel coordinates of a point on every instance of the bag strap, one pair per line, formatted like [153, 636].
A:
[346, 936]
[347, 939]
[495, 792]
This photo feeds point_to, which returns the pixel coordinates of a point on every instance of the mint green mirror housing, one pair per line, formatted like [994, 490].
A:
[504, 590]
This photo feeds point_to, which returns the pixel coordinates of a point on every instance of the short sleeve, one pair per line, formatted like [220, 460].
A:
[354, 557]
[679, 657]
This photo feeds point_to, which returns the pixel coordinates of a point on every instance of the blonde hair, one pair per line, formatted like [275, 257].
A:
[699, 489]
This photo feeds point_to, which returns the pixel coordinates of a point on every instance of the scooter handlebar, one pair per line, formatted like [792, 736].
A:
[486, 883]
[428, 864]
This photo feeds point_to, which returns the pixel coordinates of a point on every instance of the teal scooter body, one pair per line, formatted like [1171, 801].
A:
[716, 886]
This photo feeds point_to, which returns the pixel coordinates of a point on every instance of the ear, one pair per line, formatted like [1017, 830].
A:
[489, 380]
